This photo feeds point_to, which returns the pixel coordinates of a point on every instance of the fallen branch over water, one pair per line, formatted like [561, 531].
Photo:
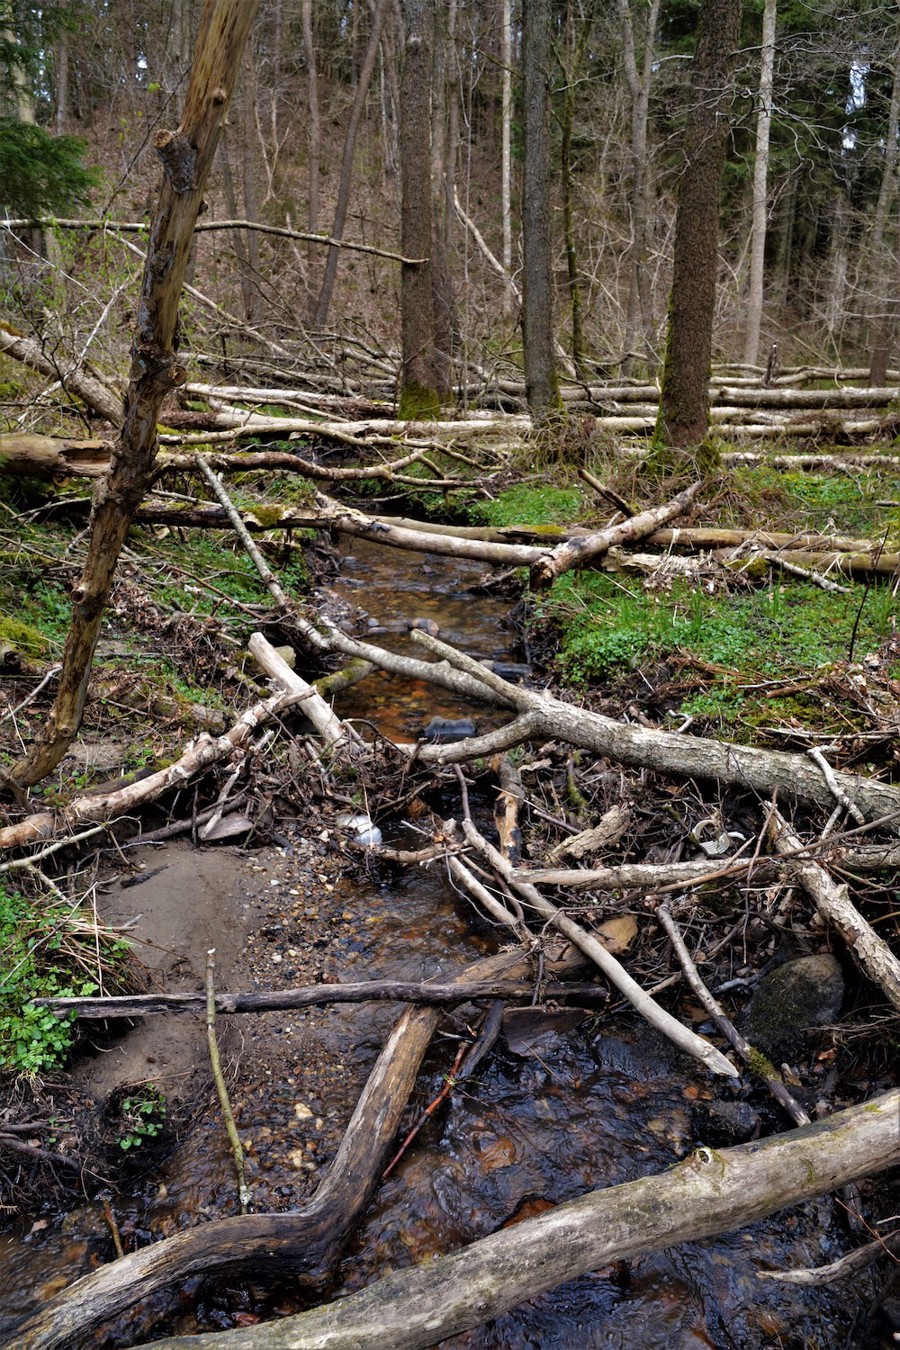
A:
[305, 1242]
[309, 996]
[680, 1035]
[763, 771]
[710, 1192]
[833, 902]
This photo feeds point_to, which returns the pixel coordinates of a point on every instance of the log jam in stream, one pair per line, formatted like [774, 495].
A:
[548, 1116]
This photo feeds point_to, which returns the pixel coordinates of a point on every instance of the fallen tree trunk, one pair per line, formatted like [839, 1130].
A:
[805, 398]
[310, 996]
[334, 516]
[576, 552]
[304, 1242]
[793, 776]
[56, 457]
[100, 806]
[876, 563]
[88, 388]
[710, 1192]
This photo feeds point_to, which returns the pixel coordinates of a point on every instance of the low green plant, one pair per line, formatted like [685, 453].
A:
[529, 504]
[45, 952]
[142, 1115]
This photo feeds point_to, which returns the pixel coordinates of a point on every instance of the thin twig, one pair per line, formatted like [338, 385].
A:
[221, 1087]
[724, 1023]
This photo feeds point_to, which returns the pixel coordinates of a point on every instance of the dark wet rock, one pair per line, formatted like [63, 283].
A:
[799, 995]
[446, 730]
[527, 1028]
[514, 671]
[721, 1124]
[426, 626]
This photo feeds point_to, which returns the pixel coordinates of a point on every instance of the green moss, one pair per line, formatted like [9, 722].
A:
[417, 403]
[775, 632]
[531, 504]
[26, 639]
[761, 1066]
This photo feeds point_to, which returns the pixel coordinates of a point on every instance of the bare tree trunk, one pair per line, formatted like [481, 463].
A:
[639, 315]
[315, 129]
[187, 155]
[574, 57]
[249, 184]
[506, 146]
[883, 301]
[760, 185]
[61, 82]
[323, 304]
[684, 401]
[238, 241]
[443, 178]
[541, 384]
[419, 392]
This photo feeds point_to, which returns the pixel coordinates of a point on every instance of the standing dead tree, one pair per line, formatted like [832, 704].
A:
[186, 155]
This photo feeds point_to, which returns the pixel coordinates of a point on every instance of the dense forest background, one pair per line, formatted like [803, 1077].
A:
[315, 144]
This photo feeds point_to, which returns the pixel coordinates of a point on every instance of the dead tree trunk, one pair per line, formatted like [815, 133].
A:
[537, 272]
[323, 304]
[186, 155]
[710, 1192]
[684, 399]
[305, 1242]
[419, 393]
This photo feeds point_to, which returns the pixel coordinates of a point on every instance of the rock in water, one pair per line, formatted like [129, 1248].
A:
[721, 1124]
[426, 626]
[445, 730]
[799, 995]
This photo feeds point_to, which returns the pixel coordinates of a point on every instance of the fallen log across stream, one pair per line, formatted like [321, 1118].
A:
[304, 1242]
[310, 996]
[765, 771]
[710, 1192]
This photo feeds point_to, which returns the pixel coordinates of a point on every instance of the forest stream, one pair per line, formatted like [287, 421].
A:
[551, 1113]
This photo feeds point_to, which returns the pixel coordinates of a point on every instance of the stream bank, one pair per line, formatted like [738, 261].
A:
[542, 1122]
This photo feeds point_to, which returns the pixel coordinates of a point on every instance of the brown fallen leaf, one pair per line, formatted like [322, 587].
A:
[618, 934]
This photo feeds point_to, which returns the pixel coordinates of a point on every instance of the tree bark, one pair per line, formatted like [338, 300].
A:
[881, 271]
[187, 155]
[315, 129]
[326, 291]
[305, 1242]
[576, 46]
[684, 401]
[760, 185]
[419, 393]
[712, 1191]
[506, 146]
[639, 314]
[541, 385]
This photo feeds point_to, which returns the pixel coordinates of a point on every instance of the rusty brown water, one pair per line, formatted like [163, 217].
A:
[599, 1105]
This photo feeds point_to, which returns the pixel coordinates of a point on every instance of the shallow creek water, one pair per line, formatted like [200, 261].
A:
[600, 1105]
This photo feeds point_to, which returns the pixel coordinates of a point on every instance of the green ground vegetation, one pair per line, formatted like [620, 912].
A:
[50, 949]
[529, 503]
[726, 644]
